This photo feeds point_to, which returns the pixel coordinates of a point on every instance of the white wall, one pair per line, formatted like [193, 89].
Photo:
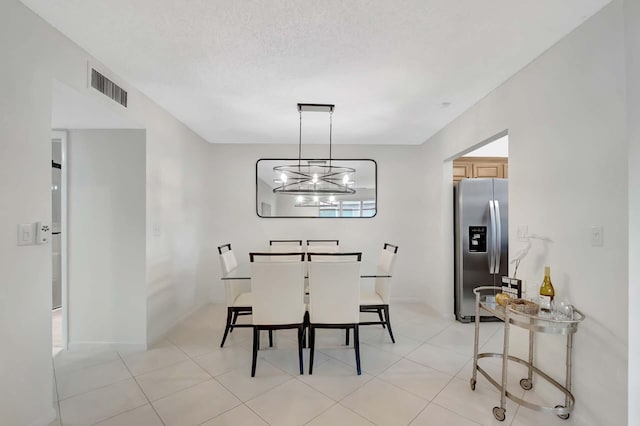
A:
[33, 55]
[567, 172]
[632, 43]
[400, 218]
[179, 269]
[106, 242]
[497, 148]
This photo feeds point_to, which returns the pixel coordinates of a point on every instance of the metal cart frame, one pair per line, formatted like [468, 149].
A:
[540, 323]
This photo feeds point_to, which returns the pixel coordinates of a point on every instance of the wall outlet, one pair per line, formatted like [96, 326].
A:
[523, 232]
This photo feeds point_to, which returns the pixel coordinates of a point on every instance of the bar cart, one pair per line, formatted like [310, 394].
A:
[541, 322]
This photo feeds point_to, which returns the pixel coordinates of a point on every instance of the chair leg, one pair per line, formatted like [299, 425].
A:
[380, 316]
[226, 329]
[256, 345]
[312, 344]
[304, 337]
[305, 325]
[388, 322]
[346, 337]
[270, 338]
[235, 318]
[356, 346]
[300, 337]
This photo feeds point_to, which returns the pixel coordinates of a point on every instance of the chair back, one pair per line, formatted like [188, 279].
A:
[386, 262]
[334, 257]
[285, 243]
[228, 262]
[334, 289]
[323, 246]
[277, 288]
[285, 249]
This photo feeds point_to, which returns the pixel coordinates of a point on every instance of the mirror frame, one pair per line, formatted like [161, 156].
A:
[375, 173]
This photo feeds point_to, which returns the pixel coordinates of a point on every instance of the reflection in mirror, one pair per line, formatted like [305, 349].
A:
[348, 189]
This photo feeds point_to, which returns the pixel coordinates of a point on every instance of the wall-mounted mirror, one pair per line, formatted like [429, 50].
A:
[316, 188]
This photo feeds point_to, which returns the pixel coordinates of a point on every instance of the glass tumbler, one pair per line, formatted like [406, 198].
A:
[561, 309]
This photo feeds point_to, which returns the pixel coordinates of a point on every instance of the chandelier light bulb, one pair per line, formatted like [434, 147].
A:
[315, 198]
[332, 198]
[345, 179]
[283, 178]
[300, 198]
[315, 178]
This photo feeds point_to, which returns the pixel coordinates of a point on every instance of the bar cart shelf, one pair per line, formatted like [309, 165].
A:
[542, 322]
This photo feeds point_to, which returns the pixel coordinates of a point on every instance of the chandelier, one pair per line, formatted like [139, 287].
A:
[316, 201]
[314, 178]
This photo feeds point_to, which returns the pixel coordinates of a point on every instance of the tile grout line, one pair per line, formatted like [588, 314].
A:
[141, 390]
[94, 389]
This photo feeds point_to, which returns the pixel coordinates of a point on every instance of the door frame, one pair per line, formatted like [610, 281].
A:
[62, 136]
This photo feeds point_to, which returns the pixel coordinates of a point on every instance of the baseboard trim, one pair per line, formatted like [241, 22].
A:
[117, 346]
[153, 339]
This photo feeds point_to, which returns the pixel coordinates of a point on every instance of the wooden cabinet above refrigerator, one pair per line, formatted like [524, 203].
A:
[480, 167]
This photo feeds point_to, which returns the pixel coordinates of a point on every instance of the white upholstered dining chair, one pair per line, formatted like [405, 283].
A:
[323, 246]
[334, 296]
[237, 292]
[278, 297]
[284, 246]
[377, 301]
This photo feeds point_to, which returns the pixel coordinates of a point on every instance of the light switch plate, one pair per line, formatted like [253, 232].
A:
[26, 234]
[597, 236]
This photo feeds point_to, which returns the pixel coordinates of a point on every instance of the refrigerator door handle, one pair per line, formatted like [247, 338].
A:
[496, 206]
[492, 237]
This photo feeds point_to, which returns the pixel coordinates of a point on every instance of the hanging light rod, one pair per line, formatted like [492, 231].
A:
[316, 107]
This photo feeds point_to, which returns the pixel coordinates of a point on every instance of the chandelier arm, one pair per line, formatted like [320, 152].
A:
[300, 141]
[330, 134]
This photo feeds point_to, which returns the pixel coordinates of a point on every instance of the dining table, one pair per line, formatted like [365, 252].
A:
[367, 270]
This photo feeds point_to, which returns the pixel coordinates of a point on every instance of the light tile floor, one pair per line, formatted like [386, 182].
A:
[187, 379]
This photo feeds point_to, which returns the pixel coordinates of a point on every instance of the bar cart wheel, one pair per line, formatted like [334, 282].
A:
[499, 413]
[526, 384]
[563, 416]
[472, 383]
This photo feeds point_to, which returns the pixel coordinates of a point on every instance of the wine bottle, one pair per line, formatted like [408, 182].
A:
[546, 290]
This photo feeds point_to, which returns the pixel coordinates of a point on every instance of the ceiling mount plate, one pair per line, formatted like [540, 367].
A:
[316, 107]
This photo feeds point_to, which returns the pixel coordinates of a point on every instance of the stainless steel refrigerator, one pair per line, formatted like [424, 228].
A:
[481, 209]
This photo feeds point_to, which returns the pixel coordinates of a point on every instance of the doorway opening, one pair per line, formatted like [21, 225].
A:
[58, 240]
[480, 221]
[90, 134]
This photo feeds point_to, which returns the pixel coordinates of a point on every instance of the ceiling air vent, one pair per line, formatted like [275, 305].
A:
[108, 87]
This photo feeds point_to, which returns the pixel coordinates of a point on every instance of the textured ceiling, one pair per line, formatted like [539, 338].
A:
[233, 70]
